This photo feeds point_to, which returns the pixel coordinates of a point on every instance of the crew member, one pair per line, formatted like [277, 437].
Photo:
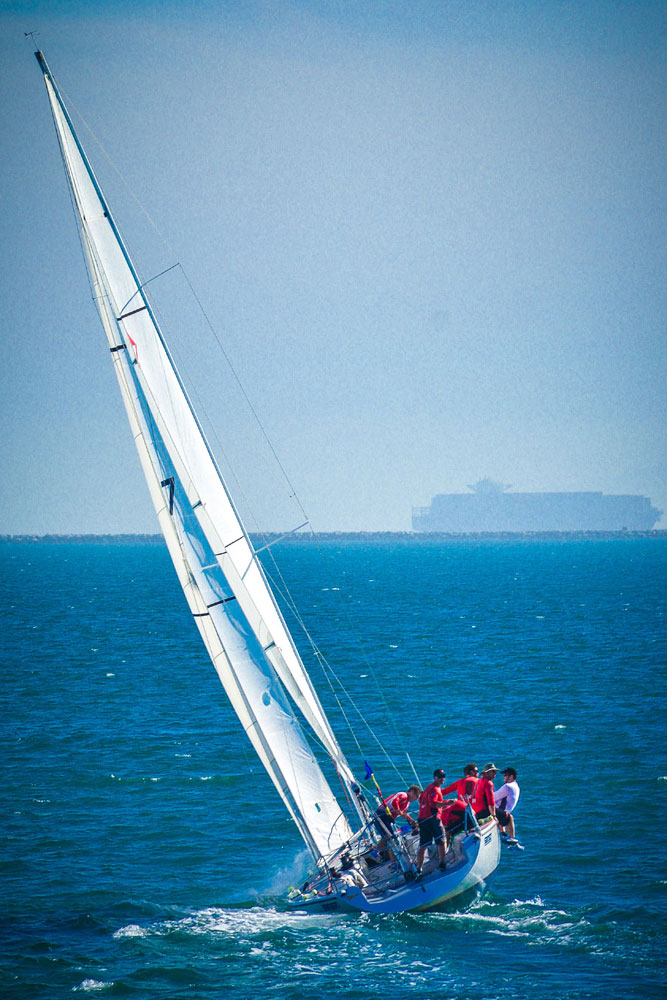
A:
[453, 812]
[465, 786]
[506, 799]
[484, 802]
[430, 827]
[393, 807]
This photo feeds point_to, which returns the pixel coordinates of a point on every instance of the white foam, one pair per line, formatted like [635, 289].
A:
[527, 918]
[244, 924]
[91, 985]
[132, 931]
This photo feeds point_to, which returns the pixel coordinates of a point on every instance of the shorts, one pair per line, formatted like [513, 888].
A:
[430, 829]
[502, 816]
[383, 824]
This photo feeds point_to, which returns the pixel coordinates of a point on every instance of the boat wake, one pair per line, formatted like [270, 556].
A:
[411, 950]
[590, 929]
[243, 923]
[530, 918]
[534, 920]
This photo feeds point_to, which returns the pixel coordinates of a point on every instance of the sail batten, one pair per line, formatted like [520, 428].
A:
[224, 584]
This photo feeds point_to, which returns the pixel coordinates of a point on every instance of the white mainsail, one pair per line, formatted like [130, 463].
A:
[226, 589]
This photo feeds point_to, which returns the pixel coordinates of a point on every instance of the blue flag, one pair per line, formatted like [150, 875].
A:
[369, 770]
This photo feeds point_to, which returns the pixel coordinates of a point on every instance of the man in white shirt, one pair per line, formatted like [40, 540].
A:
[506, 799]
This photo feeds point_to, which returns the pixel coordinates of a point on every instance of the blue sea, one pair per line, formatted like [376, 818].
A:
[145, 854]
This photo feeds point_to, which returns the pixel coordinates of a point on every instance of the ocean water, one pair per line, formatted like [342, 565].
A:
[145, 854]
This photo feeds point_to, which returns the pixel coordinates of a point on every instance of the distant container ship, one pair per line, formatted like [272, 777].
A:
[489, 508]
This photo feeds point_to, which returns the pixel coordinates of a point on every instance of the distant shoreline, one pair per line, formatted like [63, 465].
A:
[350, 536]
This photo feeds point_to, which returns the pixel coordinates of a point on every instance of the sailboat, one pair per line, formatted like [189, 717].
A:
[234, 608]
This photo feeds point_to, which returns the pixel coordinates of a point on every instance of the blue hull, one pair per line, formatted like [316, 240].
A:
[471, 861]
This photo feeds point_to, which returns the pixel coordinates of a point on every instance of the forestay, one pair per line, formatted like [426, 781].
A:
[223, 581]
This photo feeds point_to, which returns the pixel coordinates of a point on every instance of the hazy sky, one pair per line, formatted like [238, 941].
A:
[429, 235]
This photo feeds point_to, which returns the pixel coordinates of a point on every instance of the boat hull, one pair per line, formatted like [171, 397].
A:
[469, 868]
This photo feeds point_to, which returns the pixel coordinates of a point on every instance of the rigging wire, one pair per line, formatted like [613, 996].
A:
[331, 676]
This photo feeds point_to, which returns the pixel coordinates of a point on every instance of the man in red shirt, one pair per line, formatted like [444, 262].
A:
[397, 804]
[430, 827]
[484, 802]
[454, 810]
[465, 786]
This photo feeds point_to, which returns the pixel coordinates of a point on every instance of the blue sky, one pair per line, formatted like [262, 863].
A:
[430, 237]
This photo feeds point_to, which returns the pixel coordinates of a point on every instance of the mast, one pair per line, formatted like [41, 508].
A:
[223, 581]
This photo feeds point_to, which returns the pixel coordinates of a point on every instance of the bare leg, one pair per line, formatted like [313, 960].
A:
[510, 825]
